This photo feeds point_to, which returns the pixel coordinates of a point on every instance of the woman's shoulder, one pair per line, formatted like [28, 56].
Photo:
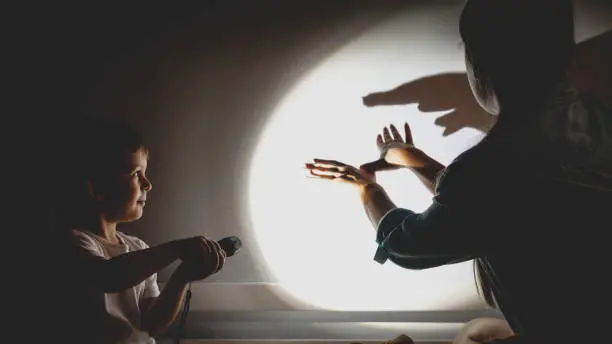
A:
[480, 167]
[482, 157]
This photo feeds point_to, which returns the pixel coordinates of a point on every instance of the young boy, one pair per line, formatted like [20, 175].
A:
[112, 287]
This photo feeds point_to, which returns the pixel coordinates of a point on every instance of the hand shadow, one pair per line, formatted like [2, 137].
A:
[435, 93]
[590, 71]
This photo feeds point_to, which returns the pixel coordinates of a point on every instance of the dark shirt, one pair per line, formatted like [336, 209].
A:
[542, 242]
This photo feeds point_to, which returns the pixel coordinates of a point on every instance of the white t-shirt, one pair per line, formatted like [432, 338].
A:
[122, 310]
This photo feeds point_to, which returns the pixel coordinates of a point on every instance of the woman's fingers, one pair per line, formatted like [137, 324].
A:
[347, 177]
[329, 163]
[323, 175]
[391, 134]
[396, 135]
[325, 169]
[345, 173]
[387, 135]
[408, 133]
[379, 141]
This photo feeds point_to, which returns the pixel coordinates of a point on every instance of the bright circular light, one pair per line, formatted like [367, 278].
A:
[314, 235]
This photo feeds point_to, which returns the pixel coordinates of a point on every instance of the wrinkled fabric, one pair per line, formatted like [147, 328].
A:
[533, 211]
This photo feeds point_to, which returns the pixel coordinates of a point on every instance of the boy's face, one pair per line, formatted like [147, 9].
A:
[124, 198]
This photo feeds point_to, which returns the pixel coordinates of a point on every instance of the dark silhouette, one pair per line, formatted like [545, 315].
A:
[590, 71]
[440, 92]
[530, 197]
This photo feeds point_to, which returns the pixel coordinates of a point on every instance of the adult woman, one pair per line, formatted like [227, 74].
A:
[513, 202]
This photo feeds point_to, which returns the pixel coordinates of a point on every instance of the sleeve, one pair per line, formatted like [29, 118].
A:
[151, 289]
[79, 254]
[451, 230]
[84, 245]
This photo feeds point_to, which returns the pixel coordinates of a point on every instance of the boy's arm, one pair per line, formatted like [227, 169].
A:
[158, 313]
[121, 272]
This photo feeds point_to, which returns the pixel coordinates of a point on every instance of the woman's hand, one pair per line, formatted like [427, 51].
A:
[396, 152]
[373, 197]
[335, 170]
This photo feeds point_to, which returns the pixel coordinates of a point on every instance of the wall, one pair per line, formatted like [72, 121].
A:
[201, 83]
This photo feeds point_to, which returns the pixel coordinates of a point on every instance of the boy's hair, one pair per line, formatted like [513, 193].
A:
[518, 42]
[104, 145]
[93, 151]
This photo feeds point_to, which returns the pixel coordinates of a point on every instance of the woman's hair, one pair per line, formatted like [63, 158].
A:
[94, 150]
[522, 47]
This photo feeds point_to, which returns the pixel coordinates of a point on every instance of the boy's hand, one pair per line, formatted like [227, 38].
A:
[192, 271]
[202, 253]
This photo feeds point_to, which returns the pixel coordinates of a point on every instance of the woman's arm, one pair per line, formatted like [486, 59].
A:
[397, 152]
[376, 202]
[443, 234]
[429, 173]
[452, 229]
